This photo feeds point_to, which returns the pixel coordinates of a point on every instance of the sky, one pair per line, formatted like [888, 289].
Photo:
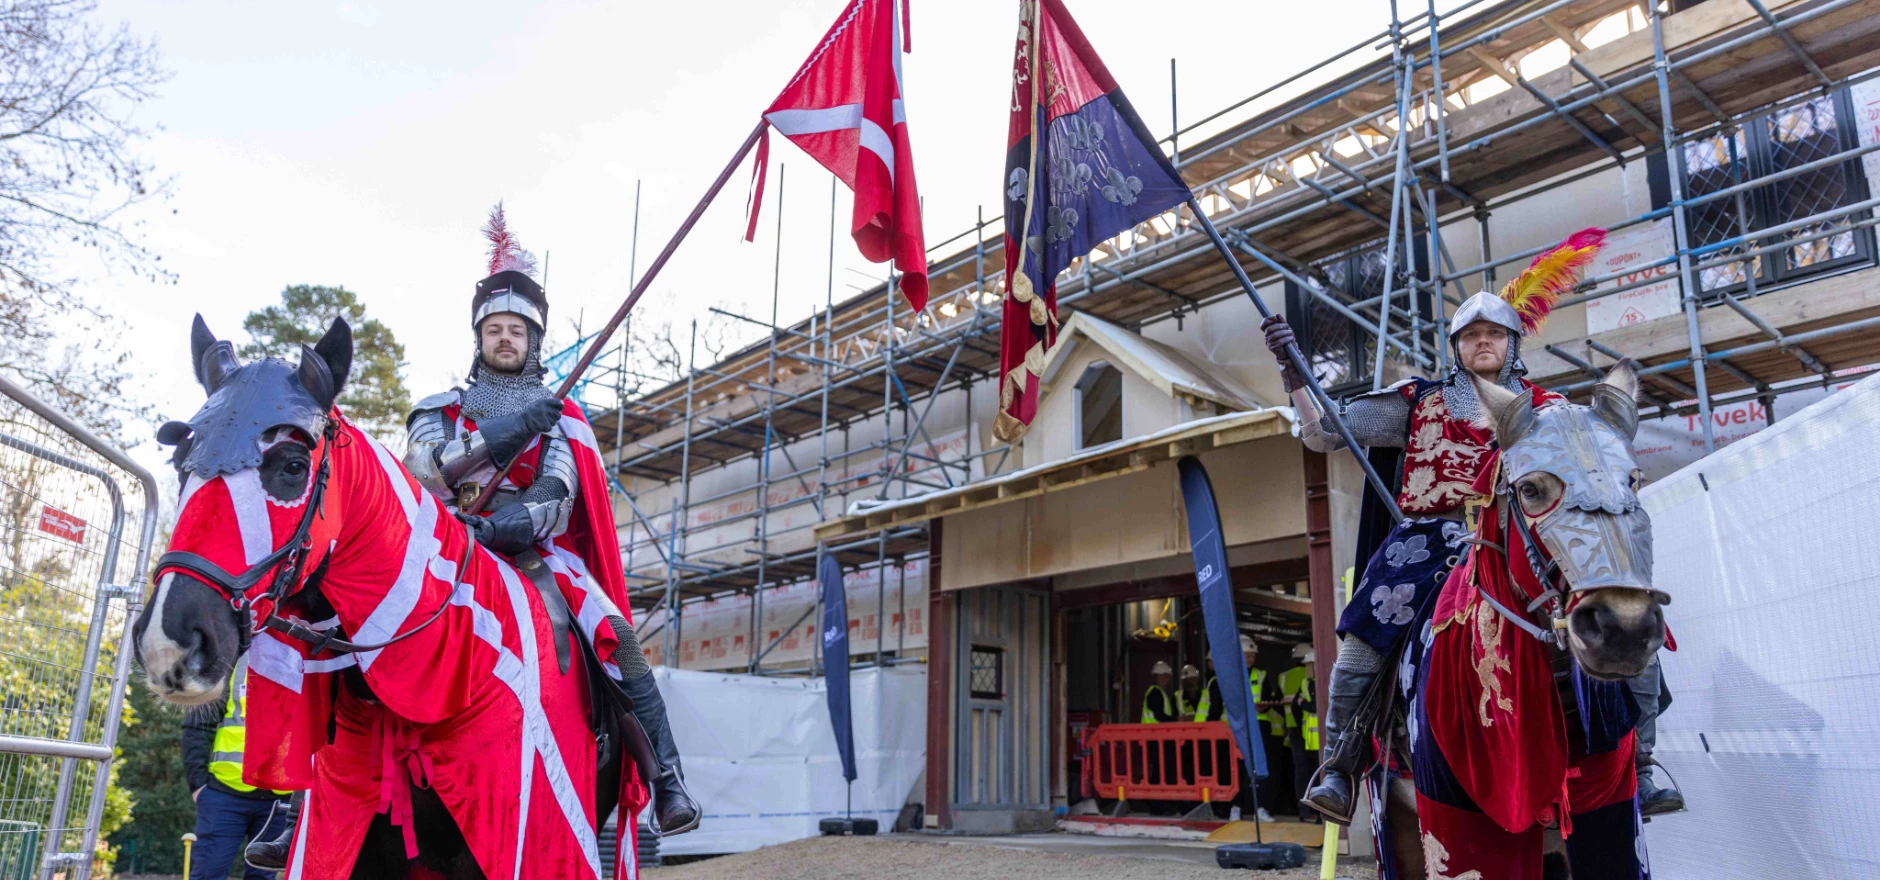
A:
[362, 144]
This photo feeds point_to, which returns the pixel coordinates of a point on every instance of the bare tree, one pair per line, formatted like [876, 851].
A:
[69, 91]
[659, 342]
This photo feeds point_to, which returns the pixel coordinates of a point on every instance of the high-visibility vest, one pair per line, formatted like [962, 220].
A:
[1292, 683]
[1257, 680]
[1274, 721]
[231, 736]
[1148, 717]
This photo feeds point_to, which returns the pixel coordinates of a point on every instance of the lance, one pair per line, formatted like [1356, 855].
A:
[1327, 409]
[620, 314]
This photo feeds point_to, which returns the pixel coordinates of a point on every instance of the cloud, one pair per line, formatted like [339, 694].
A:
[361, 14]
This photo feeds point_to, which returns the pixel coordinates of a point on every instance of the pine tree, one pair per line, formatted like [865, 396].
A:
[375, 397]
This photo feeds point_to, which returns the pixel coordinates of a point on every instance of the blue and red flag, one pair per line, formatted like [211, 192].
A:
[1080, 168]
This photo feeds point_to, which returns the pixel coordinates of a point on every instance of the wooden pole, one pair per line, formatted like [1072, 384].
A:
[639, 288]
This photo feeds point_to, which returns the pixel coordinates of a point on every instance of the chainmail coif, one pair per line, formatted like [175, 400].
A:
[493, 393]
[1459, 392]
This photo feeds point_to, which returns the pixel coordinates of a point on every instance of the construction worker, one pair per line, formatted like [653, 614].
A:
[228, 810]
[1299, 687]
[1158, 704]
[1267, 704]
[1191, 696]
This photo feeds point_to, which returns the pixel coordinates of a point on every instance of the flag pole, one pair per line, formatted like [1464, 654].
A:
[1324, 401]
[659, 262]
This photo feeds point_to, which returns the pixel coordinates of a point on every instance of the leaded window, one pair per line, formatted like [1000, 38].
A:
[985, 676]
[1789, 138]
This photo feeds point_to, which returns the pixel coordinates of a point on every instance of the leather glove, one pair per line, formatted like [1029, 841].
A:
[1279, 334]
[508, 530]
[507, 435]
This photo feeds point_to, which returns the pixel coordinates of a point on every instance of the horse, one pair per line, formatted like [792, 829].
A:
[403, 675]
[1521, 728]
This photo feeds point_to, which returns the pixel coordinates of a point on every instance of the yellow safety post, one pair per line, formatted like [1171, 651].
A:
[1328, 853]
[189, 841]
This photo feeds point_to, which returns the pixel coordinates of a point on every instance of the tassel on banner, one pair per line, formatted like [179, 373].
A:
[754, 203]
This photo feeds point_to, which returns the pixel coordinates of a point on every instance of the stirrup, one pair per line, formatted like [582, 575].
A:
[1318, 776]
[652, 819]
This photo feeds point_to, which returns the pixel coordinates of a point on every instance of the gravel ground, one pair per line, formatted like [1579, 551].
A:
[861, 858]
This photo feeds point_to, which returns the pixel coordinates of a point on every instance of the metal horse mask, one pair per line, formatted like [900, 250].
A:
[1572, 471]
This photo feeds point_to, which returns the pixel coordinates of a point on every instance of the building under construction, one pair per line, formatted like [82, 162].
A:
[1728, 145]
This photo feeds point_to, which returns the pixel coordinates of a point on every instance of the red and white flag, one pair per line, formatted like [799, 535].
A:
[844, 109]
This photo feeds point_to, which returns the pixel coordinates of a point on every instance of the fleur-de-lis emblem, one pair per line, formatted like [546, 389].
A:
[1017, 184]
[1122, 190]
[1069, 177]
[1393, 605]
[1407, 551]
[1083, 134]
[1058, 223]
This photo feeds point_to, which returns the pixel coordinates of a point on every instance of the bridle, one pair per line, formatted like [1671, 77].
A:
[1555, 593]
[284, 563]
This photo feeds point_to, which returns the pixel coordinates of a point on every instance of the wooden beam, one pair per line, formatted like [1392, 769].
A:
[1494, 65]
[1320, 577]
[1565, 34]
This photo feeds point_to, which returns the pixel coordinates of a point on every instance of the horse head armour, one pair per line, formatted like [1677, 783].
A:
[1572, 471]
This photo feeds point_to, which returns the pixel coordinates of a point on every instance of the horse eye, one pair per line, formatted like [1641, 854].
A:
[1529, 491]
[295, 468]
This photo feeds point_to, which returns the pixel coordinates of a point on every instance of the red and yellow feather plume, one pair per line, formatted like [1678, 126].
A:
[1534, 292]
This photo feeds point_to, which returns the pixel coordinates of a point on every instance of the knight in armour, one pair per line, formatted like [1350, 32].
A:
[1423, 432]
[460, 441]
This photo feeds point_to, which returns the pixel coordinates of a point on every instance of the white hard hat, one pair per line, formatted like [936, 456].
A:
[1301, 651]
[1246, 643]
[1189, 671]
[1161, 667]
[1308, 658]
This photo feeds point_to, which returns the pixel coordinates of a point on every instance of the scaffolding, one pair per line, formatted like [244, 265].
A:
[1401, 143]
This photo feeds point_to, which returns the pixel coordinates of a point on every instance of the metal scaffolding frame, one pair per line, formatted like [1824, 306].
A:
[1436, 123]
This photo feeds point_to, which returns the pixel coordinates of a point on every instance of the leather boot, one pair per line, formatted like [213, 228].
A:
[1654, 800]
[271, 855]
[1348, 750]
[674, 810]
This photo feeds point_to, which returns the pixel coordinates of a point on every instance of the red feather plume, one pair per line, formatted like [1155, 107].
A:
[1534, 292]
[505, 253]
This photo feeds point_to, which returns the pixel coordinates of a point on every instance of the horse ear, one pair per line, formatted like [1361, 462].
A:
[1508, 414]
[212, 359]
[1615, 398]
[325, 365]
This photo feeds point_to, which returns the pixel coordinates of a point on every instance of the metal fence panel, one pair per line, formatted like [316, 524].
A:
[66, 607]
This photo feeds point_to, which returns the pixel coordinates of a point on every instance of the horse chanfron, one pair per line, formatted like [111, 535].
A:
[246, 464]
[1572, 471]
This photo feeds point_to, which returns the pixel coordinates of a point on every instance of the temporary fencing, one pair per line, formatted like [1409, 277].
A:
[1194, 761]
[65, 630]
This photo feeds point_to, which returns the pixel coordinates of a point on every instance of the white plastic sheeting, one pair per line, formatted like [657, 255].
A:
[1769, 551]
[760, 757]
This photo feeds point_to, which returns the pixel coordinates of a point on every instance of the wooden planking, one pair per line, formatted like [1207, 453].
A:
[1128, 459]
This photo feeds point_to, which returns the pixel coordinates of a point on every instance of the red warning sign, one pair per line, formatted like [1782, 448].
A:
[58, 523]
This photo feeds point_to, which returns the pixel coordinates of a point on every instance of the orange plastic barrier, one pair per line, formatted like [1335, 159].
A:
[1163, 762]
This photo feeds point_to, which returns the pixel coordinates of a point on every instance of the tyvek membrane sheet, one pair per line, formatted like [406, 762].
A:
[761, 759]
[1769, 550]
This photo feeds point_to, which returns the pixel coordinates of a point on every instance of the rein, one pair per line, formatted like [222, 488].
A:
[1544, 568]
[285, 562]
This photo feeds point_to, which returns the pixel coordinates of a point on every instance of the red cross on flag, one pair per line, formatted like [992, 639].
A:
[844, 109]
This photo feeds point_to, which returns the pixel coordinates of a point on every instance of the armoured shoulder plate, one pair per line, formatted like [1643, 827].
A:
[432, 403]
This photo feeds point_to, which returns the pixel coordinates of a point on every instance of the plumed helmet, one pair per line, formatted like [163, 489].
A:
[509, 287]
[1524, 303]
[1488, 307]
